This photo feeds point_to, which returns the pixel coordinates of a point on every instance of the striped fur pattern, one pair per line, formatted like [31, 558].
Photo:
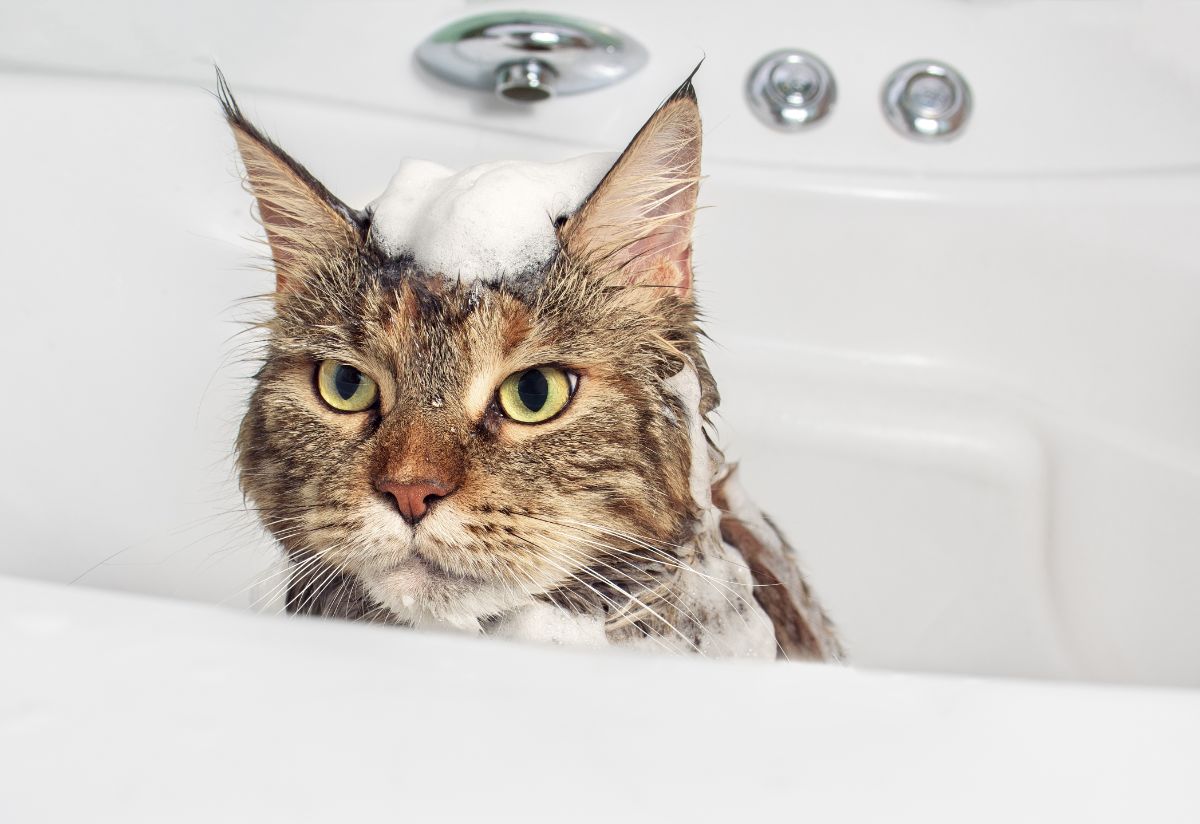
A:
[594, 512]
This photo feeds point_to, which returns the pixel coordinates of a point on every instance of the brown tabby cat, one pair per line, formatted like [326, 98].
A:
[515, 456]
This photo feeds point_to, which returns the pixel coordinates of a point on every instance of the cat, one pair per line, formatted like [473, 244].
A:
[523, 455]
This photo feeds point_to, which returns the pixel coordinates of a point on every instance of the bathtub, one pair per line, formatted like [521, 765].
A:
[964, 377]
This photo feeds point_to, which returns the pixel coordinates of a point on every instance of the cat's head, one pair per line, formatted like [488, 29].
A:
[458, 449]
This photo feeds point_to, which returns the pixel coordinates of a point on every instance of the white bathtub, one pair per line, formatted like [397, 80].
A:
[964, 377]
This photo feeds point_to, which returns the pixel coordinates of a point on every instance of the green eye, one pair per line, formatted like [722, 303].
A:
[345, 388]
[536, 395]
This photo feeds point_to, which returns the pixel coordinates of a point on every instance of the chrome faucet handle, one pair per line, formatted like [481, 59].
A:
[927, 100]
[790, 89]
[530, 56]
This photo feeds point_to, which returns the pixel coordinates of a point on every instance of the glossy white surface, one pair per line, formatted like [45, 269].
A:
[136, 710]
[962, 377]
[1062, 88]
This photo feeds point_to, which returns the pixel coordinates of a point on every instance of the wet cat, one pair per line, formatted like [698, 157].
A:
[511, 447]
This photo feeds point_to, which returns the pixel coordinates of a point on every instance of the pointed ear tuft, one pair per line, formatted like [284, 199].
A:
[305, 223]
[636, 226]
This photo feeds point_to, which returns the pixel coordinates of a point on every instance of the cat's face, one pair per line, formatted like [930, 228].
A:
[459, 449]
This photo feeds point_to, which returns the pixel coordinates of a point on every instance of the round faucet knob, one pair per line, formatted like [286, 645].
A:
[790, 89]
[927, 99]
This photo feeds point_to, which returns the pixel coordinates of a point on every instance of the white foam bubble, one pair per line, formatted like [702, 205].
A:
[490, 221]
[549, 624]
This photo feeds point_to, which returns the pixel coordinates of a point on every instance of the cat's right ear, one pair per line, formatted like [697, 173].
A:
[305, 223]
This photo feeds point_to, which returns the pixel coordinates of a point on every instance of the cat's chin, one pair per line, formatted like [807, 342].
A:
[419, 592]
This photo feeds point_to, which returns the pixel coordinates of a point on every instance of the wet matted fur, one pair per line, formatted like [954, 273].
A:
[596, 511]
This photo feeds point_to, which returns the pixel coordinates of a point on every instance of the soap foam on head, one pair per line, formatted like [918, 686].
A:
[487, 222]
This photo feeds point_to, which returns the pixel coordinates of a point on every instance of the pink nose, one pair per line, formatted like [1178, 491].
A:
[413, 500]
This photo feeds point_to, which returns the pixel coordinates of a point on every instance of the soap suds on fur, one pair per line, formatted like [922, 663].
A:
[491, 221]
[550, 624]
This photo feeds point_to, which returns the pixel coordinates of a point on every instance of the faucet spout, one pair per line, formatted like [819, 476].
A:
[526, 81]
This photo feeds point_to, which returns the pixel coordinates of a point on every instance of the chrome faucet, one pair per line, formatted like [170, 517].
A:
[530, 56]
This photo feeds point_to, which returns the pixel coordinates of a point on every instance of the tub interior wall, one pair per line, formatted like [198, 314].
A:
[962, 378]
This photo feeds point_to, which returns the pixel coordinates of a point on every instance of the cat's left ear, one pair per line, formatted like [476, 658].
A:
[305, 224]
[637, 225]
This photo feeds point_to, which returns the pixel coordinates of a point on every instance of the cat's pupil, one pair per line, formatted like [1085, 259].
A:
[346, 380]
[533, 390]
